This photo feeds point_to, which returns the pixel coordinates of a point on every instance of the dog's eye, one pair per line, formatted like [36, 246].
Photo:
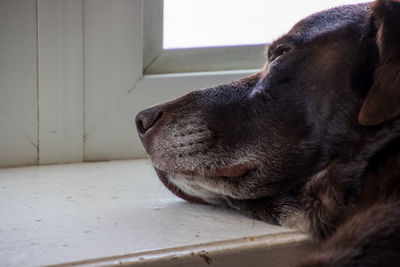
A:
[279, 51]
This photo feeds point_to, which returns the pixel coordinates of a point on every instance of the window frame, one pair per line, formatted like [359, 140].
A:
[157, 60]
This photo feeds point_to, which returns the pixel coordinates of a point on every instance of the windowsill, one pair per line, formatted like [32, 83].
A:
[118, 212]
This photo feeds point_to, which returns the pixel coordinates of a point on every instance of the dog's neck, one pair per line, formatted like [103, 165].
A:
[353, 179]
[374, 148]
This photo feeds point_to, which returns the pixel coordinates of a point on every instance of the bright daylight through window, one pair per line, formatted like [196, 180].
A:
[211, 23]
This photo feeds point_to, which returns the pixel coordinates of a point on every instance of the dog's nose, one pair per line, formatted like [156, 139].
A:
[147, 118]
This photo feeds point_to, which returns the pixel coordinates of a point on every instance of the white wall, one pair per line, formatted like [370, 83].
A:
[71, 81]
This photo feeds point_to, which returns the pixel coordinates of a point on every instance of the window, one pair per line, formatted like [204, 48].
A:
[207, 35]
[192, 23]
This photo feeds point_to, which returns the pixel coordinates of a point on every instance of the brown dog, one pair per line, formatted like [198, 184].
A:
[315, 134]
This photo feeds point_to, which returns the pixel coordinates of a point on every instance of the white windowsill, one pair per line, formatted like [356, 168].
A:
[118, 212]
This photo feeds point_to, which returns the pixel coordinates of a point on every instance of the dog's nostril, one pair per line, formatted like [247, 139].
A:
[140, 127]
[147, 119]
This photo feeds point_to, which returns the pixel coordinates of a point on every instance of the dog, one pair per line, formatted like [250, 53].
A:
[313, 139]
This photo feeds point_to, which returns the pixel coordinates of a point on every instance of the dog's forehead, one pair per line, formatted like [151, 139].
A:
[328, 21]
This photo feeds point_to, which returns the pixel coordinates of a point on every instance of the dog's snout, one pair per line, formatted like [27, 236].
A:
[146, 119]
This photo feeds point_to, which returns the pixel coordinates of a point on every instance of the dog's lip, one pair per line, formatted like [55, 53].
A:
[232, 171]
[174, 189]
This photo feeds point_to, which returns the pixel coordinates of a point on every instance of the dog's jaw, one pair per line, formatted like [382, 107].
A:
[204, 188]
[279, 211]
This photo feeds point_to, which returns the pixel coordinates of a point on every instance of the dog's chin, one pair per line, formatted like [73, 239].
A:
[193, 186]
[176, 190]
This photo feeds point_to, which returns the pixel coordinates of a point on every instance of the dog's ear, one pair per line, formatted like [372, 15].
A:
[383, 99]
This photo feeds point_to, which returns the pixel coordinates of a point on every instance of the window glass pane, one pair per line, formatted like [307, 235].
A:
[209, 23]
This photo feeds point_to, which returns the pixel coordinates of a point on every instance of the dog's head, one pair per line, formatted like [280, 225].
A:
[259, 139]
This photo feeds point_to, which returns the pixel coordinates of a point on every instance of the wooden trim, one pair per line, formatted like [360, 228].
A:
[18, 83]
[208, 59]
[152, 30]
[60, 40]
[113, 42]
[280, 249]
